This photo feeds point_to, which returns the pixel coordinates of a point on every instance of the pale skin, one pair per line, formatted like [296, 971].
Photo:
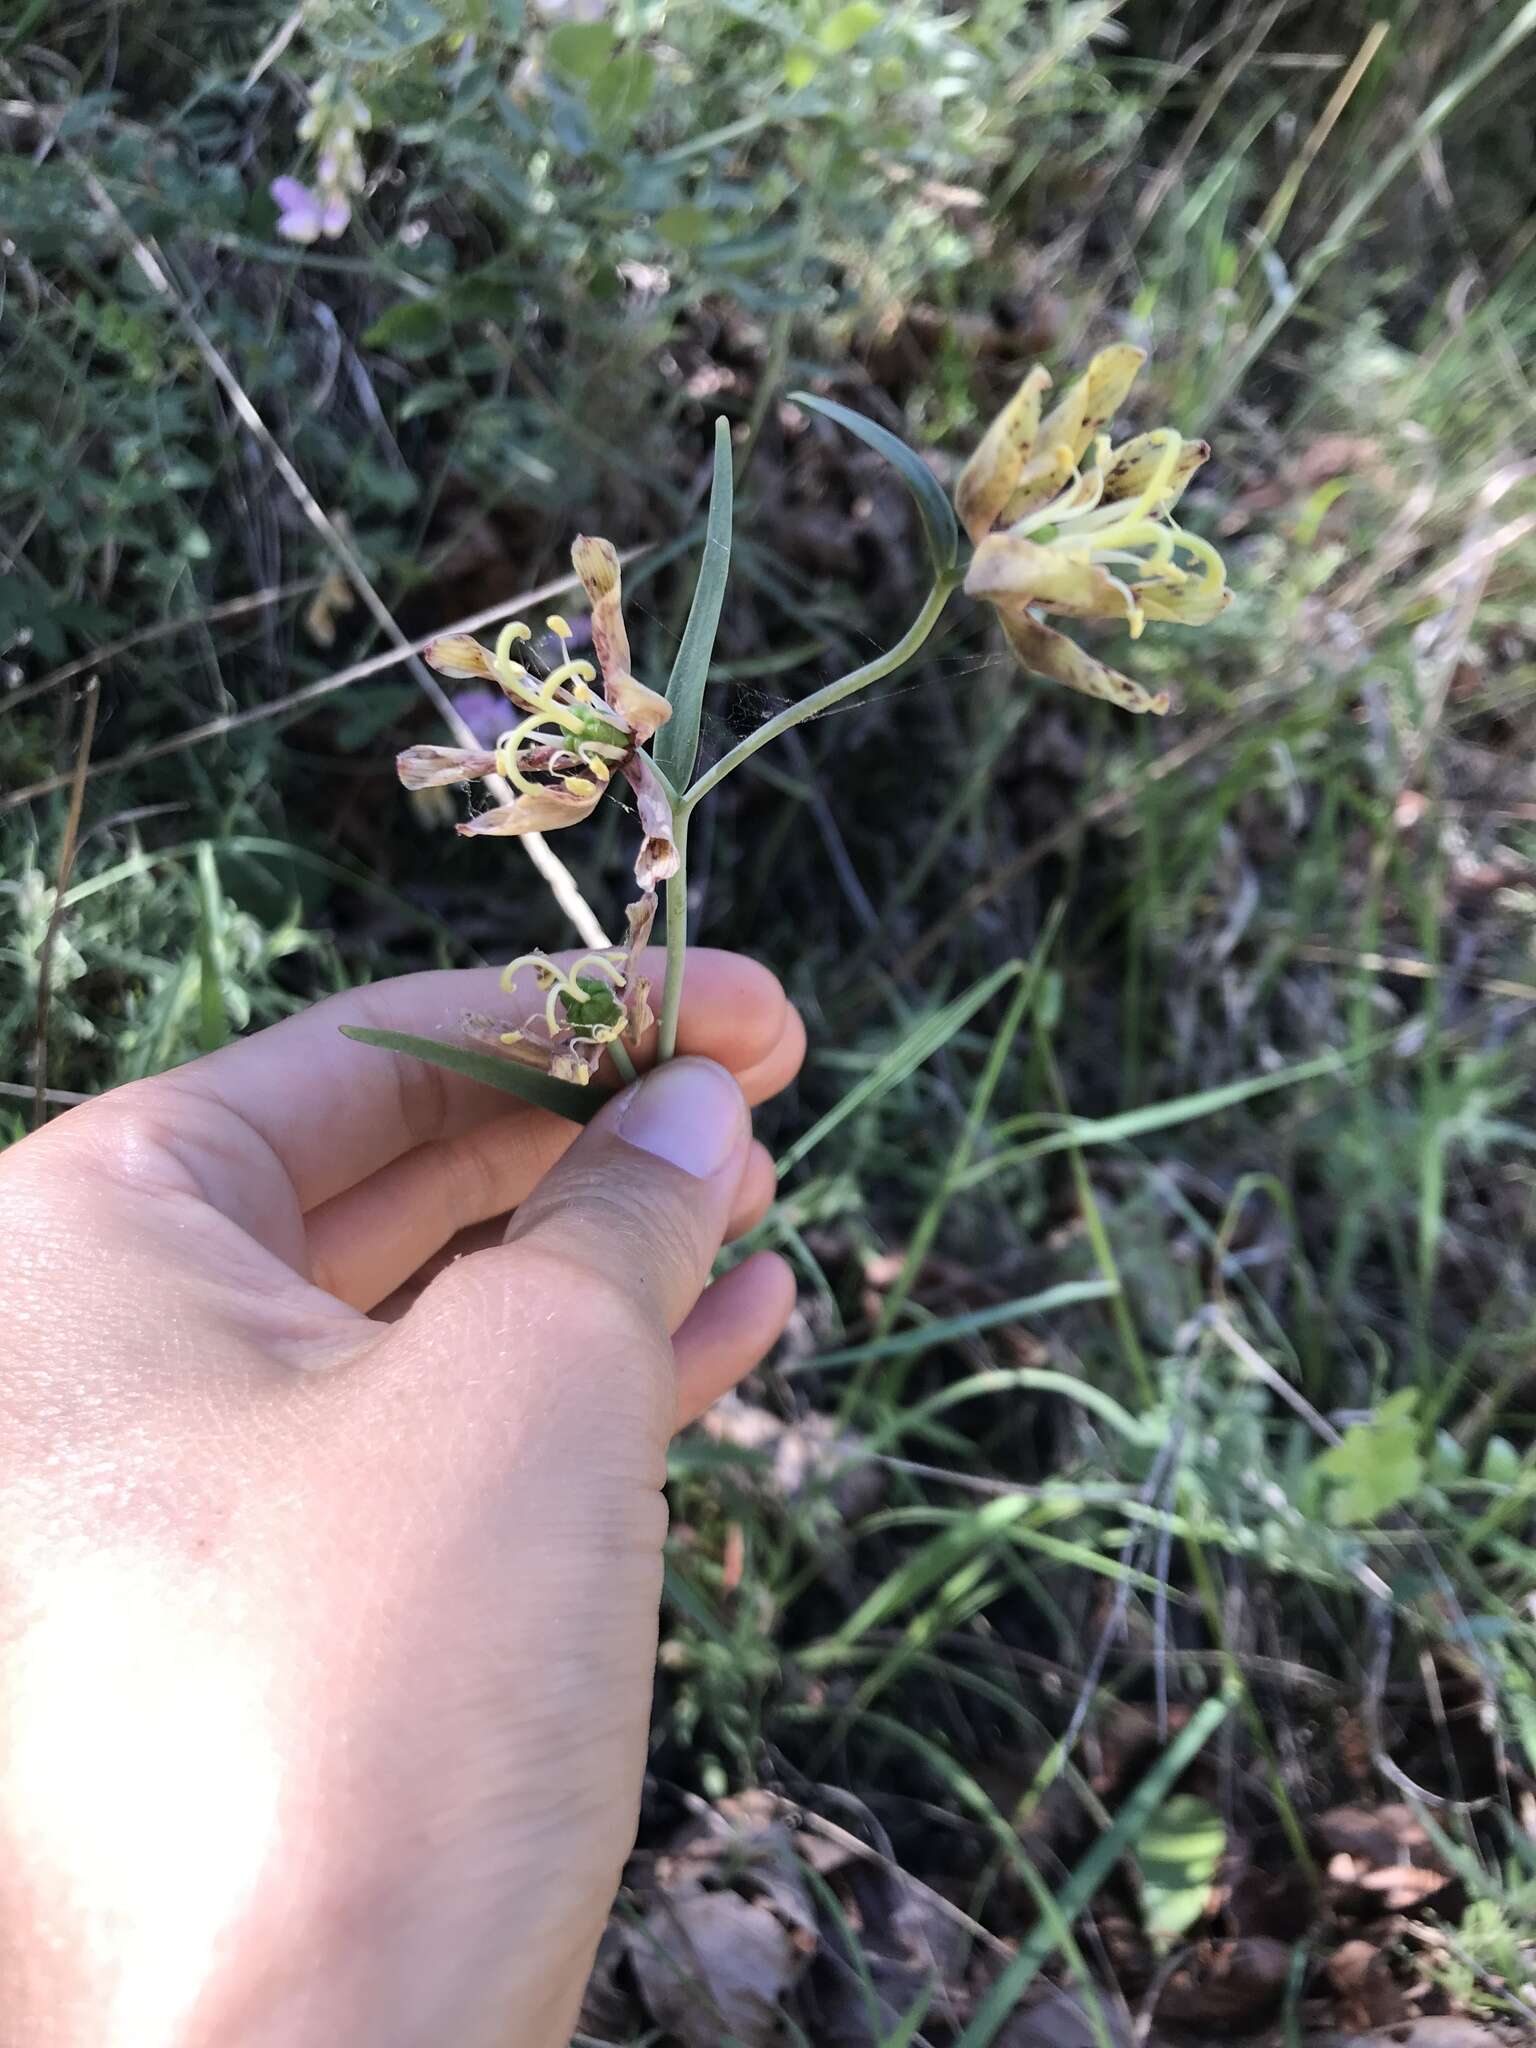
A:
[331, 1521]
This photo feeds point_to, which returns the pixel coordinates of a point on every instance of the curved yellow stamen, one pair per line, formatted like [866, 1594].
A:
[514, 679]
[544, 969]
[507, 746]
[1160, 540]
[597, 963]
[1215, 568]
[509, 636]
[535, 696]
[570, 672]
[559, 626]
[1135, 617]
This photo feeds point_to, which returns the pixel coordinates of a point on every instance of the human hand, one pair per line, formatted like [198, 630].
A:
[328, 1602]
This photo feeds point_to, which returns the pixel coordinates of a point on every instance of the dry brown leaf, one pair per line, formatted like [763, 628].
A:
[728, 1925]
[1362, 1980]
[1402, 1886]
[802, 1455]
[608, 2011]
[713, 1964]
[1374, 1835]
[1226, 1986]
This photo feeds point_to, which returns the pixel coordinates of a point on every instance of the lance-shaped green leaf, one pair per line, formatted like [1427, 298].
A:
[933, 506]
[577, 1105]
[677, 744]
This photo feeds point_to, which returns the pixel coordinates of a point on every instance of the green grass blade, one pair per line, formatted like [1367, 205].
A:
[948, 1329]
[677, 744]
[958, 1544]
[920, 1044]
[1081, 1132]
[1131, 1823]
[212, 1022]
[933, 507]
[578, 1105]
[1024, 1379]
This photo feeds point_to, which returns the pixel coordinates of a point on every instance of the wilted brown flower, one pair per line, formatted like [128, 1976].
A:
[598, 1000]
[562, 753]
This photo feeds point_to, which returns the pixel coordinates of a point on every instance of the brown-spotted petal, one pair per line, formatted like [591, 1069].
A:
[989, 479]
[1132, 466]
[1048, 653]
[1011, 573]
[1043, 477]
[546, 809]
[1092, 400]
[1192, 603]
[459, 654]
[1111, 374]
[658, 859]
[432, 767]
[596, 562]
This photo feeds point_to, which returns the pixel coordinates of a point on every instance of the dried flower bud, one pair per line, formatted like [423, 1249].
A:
[459, 654]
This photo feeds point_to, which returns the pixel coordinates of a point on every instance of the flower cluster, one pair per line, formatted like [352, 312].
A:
[575, 727]
[1064, 521]
[335, 118]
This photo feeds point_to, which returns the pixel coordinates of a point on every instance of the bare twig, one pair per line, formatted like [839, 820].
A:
[286, 32]
[24, 1091]
[163, 629]
[56, 915]
[1414, 970]
[845, 1839]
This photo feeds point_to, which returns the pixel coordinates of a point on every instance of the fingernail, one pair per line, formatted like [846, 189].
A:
[688, 1113]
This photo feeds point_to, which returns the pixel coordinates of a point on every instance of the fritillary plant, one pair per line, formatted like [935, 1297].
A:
[1061, 520]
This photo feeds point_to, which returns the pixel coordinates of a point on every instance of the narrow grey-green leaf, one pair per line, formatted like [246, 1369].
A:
[578, 1105]
[933, 507]
[677, 744]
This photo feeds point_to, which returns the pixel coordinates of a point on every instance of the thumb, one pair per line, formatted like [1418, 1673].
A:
[643, 1197]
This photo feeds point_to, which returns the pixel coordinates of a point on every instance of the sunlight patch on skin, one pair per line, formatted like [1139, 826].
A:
[145, 1811]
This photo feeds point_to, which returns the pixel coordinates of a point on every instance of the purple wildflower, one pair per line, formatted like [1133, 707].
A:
[305, 216]
[486, 714]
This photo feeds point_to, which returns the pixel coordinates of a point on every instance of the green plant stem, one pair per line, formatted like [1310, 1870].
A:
[619, 1054]
[820, 701]
[793, 715]
[677, 938]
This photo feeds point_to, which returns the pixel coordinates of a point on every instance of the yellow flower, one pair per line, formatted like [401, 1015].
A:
[561, 754]
[1063, 521]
